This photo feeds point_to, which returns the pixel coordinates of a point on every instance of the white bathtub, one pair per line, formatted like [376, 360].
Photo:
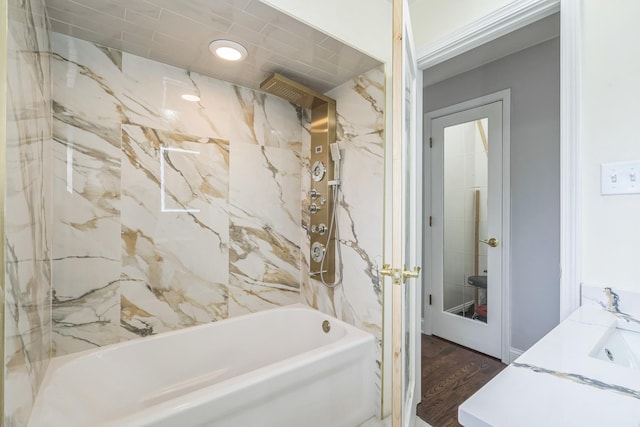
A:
[273, 368]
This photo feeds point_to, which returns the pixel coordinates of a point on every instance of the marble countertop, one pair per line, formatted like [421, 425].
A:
[557, 383]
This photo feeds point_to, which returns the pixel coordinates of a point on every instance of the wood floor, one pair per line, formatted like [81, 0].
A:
[450, 374]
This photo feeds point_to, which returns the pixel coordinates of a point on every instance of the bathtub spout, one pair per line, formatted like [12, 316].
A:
[315, 273]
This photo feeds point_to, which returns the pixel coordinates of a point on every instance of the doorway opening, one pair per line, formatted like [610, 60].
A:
[468, 243]
[530, 208]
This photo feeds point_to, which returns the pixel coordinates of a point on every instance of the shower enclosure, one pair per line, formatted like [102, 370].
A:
[149, 187]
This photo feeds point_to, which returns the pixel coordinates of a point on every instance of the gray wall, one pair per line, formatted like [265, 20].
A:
[533, 75]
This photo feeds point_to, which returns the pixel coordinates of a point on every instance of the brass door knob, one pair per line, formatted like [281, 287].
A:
[411, 274]
[493, 242]
[386, 270]
[399, 276]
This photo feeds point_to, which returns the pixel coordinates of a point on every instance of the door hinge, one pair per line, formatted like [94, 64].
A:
[430, 299]
[430, 142]
[430, 221]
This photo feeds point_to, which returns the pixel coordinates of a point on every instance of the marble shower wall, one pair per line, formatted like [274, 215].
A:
[360, 135]
[167, 213]
[27, 310]
[171, 213]
[361, 121]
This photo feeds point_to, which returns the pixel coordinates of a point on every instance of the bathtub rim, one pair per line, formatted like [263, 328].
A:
[258, 376]
[351, 330]
[353, 337]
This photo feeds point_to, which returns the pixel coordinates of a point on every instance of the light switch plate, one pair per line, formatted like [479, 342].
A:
[620, 178]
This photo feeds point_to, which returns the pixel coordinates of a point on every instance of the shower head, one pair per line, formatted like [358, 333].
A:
[292, 91]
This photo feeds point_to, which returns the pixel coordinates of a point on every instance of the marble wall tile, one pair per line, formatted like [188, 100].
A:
[137, 252]
[154, 99]
[360, 107]
[264, 202]
[175, 230]
[88, 86]
[87, 116]
[27, 282]
[360, 135]
[86, 238]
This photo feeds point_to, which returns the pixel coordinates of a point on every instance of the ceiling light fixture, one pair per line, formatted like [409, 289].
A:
[228, 50]
[191, 98]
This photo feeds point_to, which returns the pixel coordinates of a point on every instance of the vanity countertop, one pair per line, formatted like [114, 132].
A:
[557, 383]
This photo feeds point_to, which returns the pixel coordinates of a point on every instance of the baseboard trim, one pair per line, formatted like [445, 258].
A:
[514, 353]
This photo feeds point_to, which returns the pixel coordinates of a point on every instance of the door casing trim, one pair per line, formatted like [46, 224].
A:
[498, 23]
[509, 18]
[570, 125]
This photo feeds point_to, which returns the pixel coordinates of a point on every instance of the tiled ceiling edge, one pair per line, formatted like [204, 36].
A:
[178, 33]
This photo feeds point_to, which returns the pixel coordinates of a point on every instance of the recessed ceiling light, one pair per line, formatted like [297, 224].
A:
[228, 50]
[190, 97]
[170, 114]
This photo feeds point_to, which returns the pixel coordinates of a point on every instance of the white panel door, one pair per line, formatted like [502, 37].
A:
[467, 214]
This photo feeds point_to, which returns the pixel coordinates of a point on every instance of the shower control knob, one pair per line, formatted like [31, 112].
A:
[314, 194]
[313, 208]
[317, 171]
[323, 200]
[317, 252]
[321, 229]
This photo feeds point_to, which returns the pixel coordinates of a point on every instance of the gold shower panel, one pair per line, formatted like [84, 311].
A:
[323, 133]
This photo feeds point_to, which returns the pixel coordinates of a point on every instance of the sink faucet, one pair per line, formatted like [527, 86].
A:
[612, 306]
[613, 300]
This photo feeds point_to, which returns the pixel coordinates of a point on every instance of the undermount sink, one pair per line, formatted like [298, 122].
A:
[620, 347]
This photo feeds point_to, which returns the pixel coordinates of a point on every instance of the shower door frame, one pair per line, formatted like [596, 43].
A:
[402, 172]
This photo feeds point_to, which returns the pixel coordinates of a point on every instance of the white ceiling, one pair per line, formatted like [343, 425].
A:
[178, 32]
